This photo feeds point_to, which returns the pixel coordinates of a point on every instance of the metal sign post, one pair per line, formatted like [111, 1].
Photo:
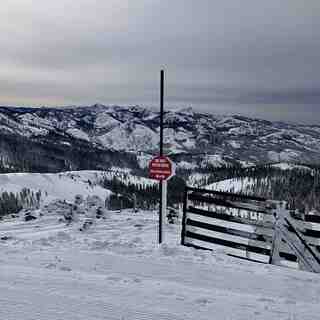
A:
[161, 206]
[164, 208]
[161, 168]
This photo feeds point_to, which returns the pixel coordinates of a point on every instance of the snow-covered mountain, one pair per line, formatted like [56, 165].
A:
[100, 136]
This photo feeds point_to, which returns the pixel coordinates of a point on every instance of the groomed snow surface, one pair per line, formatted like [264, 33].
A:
[116, 270]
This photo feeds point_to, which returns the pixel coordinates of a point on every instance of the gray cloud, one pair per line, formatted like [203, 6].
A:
[252, 57]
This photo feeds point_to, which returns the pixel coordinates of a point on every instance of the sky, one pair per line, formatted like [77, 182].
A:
[251, 57]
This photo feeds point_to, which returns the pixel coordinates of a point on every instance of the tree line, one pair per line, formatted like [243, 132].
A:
[11, 203]
[299, 187]
[127, 195]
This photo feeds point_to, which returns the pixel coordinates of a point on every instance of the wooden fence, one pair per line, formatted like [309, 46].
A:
[245, 227]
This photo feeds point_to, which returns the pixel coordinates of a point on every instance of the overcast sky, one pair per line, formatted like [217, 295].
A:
[253, 57]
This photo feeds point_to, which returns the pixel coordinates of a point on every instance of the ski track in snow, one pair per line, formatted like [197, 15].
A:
[116, 270]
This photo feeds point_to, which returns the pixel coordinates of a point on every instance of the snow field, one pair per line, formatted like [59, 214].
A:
[116, 270]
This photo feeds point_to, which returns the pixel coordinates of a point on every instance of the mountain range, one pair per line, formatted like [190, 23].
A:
[98, 137]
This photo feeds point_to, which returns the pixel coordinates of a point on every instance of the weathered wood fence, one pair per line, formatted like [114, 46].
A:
[250, 227]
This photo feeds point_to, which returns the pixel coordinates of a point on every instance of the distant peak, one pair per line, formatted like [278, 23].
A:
[99, 106]
[184, 110]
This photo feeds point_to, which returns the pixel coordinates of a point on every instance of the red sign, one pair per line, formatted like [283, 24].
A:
[161, 168]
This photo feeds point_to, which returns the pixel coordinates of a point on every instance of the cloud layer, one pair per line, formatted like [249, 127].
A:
[252, 57]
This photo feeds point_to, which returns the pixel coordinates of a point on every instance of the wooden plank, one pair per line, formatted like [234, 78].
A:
[240, 238]
[226, 203]
[289, 264]
[227, 243]
[305, 225]
[232, 225]
[309, 229]
[227, 217]
[235, 232]
[310, 236]
[312, 218]
[311, 240]
[307, 247]
[233, 251]
[229, 237]
[239, 253]
[227, 194]
[240, 213]
[312, 233]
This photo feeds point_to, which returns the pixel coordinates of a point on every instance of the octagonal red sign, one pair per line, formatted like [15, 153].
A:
[161, 168]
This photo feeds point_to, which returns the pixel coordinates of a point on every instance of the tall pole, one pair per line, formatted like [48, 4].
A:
[161, 153]
[161, 110]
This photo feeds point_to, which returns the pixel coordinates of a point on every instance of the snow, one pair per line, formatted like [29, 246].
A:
[79, 134]
[106, 121]
[236, 185]
[290, 166]
[33, 131]
[198, 179]
[285, 155]
[127, 178]
[130, 137]
[134, 129]
[30, 119]
[242, 130]
[66, 143]
[234, 144]
[143, 160]
[53, 186]
[246, 164]
[6, 129]
[186, 165]
[214, 160]
[183, 110]
[116, 270]
[66, 185]
[178, 139]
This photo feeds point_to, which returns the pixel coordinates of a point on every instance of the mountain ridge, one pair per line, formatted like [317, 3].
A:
[133, 131]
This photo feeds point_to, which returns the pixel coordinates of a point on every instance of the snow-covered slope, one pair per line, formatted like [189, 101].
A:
[66, 185]
[236, 185]
[63, 186]
[116, 270]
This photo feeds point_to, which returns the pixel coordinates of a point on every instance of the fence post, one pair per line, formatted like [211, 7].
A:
[184, 216]
[307, 259]
[276, 240]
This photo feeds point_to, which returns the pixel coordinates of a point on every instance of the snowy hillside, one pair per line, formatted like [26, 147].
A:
[235, 185]
[245, 184]
[66, 185]
[115, 270]
[60, 138]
